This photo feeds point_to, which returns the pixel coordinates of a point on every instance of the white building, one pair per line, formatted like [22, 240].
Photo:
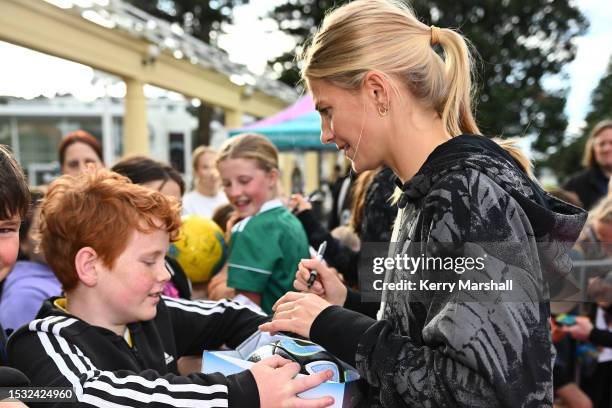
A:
[34, 128]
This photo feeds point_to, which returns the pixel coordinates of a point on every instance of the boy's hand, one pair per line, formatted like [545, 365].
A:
[278, 387]
[328, 285]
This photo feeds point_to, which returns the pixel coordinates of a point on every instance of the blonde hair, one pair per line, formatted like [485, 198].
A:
[199, 152]
[250, 146]
[601, 212]
[385, 35]
[588, 159]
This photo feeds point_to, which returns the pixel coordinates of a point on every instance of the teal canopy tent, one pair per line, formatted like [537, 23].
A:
[300, 132]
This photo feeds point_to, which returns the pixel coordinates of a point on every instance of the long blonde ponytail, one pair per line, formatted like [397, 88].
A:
[385, 35]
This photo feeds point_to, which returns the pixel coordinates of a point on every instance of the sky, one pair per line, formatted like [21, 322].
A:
[26, 73]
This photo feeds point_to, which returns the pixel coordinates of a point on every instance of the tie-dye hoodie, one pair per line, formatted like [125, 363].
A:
[463, 348]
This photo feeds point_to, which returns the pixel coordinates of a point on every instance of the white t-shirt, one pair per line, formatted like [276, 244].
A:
[199, 204]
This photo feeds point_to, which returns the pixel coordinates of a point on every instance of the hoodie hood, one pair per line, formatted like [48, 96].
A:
[550, 217]
[556, 224]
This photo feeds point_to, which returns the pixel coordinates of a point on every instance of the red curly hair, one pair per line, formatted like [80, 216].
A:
[99, 209]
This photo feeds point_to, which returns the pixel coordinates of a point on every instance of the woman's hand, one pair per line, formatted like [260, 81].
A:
[327, 285]
[295, 313]
[278, 387]
[297, 204]
[581, 330]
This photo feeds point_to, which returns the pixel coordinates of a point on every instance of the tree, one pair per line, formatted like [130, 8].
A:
[202, 19]
[520, 43]
[299, 19]
[601, 101]
[568, 158]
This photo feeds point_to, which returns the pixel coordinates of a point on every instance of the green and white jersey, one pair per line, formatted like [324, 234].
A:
[265, 250]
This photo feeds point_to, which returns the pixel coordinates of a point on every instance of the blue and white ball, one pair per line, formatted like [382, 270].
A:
[311, 357]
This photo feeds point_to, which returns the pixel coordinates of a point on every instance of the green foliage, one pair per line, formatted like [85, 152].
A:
[519, 42]
[567, 159]
[200, 18]
[601, 101]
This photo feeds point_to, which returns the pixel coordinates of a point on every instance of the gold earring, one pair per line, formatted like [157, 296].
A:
[382, 110]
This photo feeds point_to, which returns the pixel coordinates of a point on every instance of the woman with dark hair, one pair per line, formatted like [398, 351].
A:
[165, 179]
[156, 175]
[78, 150]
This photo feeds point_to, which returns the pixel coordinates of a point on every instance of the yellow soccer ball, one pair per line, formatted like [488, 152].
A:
[200, 250]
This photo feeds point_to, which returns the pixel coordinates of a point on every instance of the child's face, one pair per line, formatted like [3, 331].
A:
[131, 289]
[169, 188]
[207, 172]
[9, 243]
[247, 186]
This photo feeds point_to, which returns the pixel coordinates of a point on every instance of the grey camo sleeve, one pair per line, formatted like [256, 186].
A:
[450, 351]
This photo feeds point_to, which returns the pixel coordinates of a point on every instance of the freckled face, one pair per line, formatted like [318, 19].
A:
[132, 288]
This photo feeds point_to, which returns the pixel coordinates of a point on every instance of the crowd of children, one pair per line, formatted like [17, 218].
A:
[111, 336]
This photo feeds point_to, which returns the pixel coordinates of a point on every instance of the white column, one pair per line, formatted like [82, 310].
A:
[15, 140]
[108, 141]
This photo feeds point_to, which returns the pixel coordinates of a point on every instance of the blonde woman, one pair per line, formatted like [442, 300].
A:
[591, 184]
[386, 96]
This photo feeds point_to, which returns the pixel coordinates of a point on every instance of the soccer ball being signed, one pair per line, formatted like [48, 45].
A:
[311, 357]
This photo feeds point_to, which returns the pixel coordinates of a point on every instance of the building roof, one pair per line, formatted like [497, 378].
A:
[162, 35]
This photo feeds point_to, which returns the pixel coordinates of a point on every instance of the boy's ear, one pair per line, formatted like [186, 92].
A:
[86, 261]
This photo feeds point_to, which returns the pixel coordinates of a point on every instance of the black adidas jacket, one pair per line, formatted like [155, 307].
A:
[60, 350]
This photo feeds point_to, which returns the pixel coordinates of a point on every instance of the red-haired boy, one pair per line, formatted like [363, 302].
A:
[113, 338]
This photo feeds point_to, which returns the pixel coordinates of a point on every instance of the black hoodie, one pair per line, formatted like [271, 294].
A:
[464, 348]
[60, 350]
